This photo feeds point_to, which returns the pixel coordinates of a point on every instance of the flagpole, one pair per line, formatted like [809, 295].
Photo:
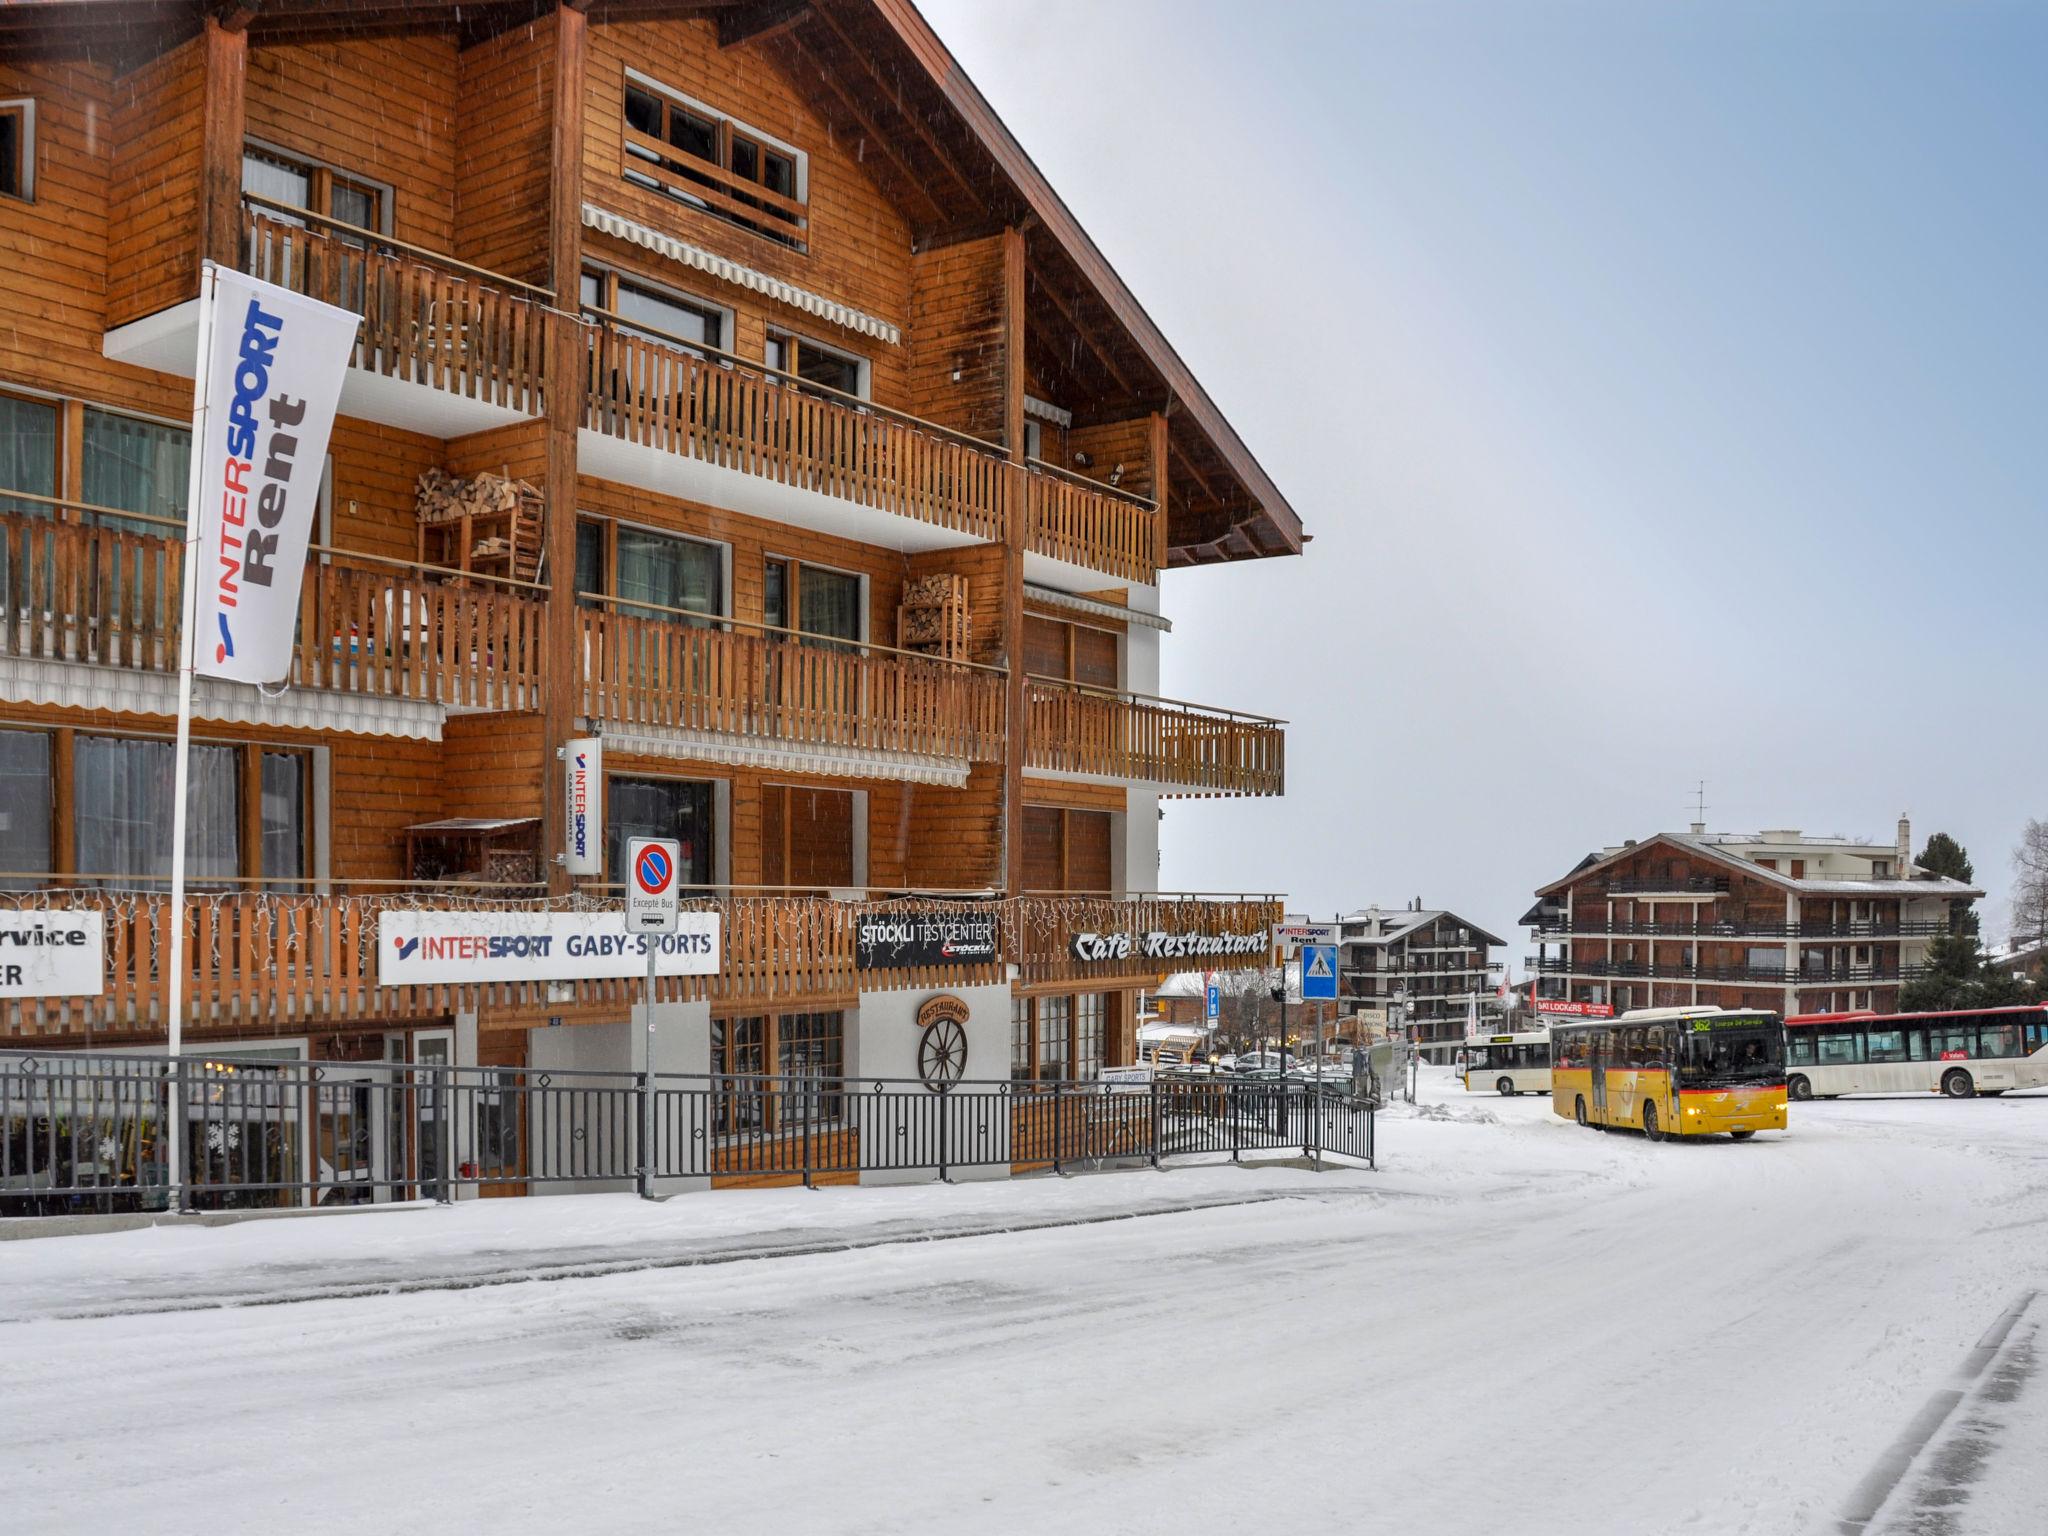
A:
[188, 643]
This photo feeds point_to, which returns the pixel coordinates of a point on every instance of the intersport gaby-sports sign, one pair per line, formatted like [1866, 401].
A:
[272, 381]
[460, 948]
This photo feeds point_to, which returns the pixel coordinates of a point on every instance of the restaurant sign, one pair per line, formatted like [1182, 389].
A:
[1158, 945]
[891, 941]
[52, 954]
[460, 948]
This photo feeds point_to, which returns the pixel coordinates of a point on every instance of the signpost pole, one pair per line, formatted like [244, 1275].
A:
[647, 1081]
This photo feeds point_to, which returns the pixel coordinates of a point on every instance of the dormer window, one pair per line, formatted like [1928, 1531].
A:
[696, 155]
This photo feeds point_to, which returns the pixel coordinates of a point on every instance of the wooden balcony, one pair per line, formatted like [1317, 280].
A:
[428, 319]
[1190, 749]
[101, 587]
[279, 963]
[689, 672]
[717, 409]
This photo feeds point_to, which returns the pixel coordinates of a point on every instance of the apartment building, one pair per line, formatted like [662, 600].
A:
[1779, 919]
[730, 389]
[1425, 967]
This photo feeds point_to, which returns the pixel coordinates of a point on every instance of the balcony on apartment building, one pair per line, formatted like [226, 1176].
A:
[676, 416]
[286, 960]
[1776, 974]
[1862, 931]
[1673, 887]
[1181, 748]
[90, 613]
[448, 349]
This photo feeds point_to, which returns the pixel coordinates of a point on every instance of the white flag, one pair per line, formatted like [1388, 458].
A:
[272, 382]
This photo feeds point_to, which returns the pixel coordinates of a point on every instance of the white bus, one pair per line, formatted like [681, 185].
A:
[1508, 1064]
[1985, 1051]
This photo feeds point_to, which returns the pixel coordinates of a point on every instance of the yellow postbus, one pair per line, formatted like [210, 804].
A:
[1671, 1072]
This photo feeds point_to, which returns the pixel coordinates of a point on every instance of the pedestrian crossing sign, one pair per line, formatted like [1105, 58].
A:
[1319, 972]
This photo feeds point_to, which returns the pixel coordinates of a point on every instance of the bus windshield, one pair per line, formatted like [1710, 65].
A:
[1748, 1051]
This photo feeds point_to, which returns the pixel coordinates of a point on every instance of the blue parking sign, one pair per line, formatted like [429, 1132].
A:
[1212, 1004]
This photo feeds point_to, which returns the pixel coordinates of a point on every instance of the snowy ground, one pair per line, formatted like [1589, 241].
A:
[1514, 1327]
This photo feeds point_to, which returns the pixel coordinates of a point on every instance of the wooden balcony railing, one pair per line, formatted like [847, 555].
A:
[279, 963]
[427, 318]
[704, 403]
[668, 668]
[1197, 751]
[99, 586]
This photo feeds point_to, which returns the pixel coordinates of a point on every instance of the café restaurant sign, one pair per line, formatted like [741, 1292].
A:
[461, 948]
[52, 954]
[1159, 945]
[887, 941]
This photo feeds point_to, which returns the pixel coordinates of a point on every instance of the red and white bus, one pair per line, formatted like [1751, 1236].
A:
[1987, 1051]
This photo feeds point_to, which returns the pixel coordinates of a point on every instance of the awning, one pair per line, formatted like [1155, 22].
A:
[746, 277]
[1052, 597]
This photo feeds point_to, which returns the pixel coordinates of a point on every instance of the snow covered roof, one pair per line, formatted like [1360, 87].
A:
[1398, 922]
[1710, 845]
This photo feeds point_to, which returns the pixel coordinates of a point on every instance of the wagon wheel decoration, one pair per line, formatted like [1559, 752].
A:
[942, 1054]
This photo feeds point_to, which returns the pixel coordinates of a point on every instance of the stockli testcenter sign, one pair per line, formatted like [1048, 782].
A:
[898, 940]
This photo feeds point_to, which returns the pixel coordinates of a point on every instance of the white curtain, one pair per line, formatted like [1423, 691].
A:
[123, 791]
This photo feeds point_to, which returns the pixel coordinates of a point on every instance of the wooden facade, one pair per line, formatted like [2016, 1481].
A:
[802, 399]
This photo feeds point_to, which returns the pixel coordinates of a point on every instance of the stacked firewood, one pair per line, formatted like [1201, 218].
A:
[499, 518]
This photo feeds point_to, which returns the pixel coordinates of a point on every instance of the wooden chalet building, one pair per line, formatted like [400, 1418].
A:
[1779, 920]
[730, 387]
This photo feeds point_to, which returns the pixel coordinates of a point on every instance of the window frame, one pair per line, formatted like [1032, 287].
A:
[22, 108]
[793, 584]
[609, 574]
[610, 278]
[796, 343]
[1027, 1019]
[719, 815]
[790, 234]
[321, 176]
[764, 1099]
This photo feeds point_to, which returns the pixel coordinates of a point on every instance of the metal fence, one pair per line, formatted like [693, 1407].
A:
[89, 1132]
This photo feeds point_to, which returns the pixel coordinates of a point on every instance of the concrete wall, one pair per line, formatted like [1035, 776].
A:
[882, 1042]
[682, 1045]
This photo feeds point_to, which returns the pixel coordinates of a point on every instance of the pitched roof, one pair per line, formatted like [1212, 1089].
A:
[1920, 883]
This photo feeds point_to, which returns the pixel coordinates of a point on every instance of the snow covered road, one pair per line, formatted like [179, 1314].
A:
[1516, 1327]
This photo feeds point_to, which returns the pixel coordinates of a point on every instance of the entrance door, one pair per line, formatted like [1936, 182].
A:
[1599, 1060]
[416, 1124]
[349, 1141]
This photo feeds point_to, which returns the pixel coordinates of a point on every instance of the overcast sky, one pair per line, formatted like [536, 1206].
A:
[1662, 385]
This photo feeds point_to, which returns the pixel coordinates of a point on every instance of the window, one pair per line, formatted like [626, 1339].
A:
[1020, 1039]
[695, 155]
[1089, 1010]
[739, 1049]
[1884, 1045]
[827, 603]
[816, 363]
[1055, 1050]
[138, 466]
[812, 1047]
[808, 1051]
[284, 820]
[283, 177]
[24, 809]
[1072, 652]
[1067, 850]
[18, 148]
[28, 462]
[677, 808]
[122, 791]
[1799, 1047]
[1837, 1050]
[656, 312]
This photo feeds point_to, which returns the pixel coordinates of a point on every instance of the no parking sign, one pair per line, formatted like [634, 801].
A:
[651, 864]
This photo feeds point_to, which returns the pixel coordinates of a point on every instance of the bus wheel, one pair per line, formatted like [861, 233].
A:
[1957, 1084]
[1507, 1087]
[1740, 1135]
[1799, 1087]
[1650, 1127]
[1579, 1111]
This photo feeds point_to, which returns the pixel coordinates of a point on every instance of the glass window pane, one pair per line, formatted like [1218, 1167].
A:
[12, 145]
[284, 816]
[746, 160]
[28, 452]
[1055, 1019]
[778, 173]
[643, 112]
[1089, 1012]
[138, 466]
[1020, 1038]
[674, 573]
[832, 369]
[280, 180]
[829, 603]
[356, 205]
[737, 1050]
[591, 290]
[673, 317]
[123, 789]
[1885, 1045]
[677, 808]
[24, 808]
[693, 134]
[589, 559]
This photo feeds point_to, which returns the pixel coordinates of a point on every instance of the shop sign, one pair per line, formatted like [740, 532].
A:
[890, 941]
[461, 948]
[1159, 945]
[584, 760]
[1574, 1010]
[52, 954]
